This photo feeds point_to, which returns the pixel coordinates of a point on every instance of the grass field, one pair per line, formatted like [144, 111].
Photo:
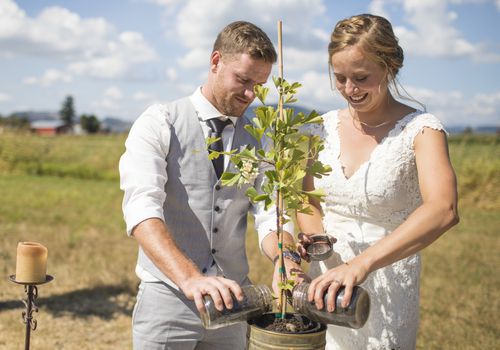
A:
[63, 192]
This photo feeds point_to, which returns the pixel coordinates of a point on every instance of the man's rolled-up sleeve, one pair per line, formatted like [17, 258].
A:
[143, 167]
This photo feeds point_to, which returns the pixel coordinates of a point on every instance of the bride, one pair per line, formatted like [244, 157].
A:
[391, 193]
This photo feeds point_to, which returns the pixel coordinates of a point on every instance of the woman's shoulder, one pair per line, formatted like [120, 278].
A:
[416, 121]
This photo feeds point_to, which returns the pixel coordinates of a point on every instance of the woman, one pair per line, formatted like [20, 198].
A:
[391, 193]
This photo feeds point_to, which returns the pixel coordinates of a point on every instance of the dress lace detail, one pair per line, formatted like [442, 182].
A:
[362, 209]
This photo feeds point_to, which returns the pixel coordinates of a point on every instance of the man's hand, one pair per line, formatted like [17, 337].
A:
[294, 272]
[219, 288]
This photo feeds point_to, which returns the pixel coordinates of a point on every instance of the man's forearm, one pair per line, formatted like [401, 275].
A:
[159, 245]
[270, 244]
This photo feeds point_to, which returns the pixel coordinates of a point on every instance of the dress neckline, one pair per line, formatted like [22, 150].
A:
[397, 126]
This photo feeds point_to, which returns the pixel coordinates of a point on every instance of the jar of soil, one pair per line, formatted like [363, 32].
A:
[352, 316]
[257, 300]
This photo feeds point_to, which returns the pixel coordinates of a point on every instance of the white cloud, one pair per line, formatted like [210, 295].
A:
[433, 34]
[110, 102]
[142, 101]
[304, 60]
[462, 2]
[113, 93]
[171, 74]
[316, 92]
[141, 96]
[497, 3]
[91, 45]
[50, 77]
[377, 8]
[454, 108]
[432, 31]
[195, 58]
[4, 97]
[164, 2]
[485, 105]
[197, 34]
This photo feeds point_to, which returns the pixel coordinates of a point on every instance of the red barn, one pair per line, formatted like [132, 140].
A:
[48, 127]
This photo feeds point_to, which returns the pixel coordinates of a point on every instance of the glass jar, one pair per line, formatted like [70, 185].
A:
[320, 247]
[257, 300]
[352, 316]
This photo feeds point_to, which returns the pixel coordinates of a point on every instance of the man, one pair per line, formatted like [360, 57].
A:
[190, 228]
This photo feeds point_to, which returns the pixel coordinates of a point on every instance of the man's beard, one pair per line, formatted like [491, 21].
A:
[231, 107]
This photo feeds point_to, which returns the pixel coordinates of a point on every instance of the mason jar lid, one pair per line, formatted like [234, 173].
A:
[321, 247]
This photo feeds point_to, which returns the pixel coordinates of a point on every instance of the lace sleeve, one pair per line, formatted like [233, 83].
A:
[425, 120]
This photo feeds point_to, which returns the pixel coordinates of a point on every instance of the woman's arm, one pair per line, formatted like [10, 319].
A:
[438, 212]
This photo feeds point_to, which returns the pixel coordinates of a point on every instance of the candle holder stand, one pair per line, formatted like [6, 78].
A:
[31, 291]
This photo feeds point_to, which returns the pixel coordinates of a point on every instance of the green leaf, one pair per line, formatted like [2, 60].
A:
[305, 210]
[261, 197]
[213, 155]
[210, 140]
[229, 179]
[317, 193]
[261, 153]
[255, 132]
[261, 92]
[251, 193]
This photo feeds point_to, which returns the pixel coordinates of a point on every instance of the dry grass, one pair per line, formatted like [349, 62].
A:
[89, 304]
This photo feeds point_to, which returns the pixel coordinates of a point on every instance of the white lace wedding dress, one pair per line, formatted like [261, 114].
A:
[360, 210]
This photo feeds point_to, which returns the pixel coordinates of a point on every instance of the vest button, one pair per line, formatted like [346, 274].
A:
[214, 251]
[217, 187]
[215, 230]
[217, 208]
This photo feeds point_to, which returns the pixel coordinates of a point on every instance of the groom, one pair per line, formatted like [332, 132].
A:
[191, 229]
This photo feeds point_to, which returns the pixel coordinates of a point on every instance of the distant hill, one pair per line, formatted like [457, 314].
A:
[32, 116]
[115, 125]
[483, 129]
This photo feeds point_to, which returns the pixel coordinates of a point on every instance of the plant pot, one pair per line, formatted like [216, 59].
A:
[260, 338]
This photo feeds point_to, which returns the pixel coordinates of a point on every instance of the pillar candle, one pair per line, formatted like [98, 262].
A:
[31, 264]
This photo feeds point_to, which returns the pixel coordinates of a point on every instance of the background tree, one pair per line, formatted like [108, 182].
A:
[90, 123]
[67, 112]
[16, 121]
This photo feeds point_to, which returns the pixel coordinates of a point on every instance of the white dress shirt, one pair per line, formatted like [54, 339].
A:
[143, 172]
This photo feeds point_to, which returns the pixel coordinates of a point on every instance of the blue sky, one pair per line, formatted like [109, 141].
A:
[117, 57]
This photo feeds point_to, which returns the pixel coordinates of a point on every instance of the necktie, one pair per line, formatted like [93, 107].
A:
[217, 127]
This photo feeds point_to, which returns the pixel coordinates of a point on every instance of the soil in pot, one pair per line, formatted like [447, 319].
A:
[293, 323]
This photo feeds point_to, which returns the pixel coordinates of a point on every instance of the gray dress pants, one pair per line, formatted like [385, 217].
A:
[164, 318]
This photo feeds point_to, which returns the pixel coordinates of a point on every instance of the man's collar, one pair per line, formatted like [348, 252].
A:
[205, 109]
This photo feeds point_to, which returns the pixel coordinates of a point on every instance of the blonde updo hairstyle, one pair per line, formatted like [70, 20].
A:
[376, 39]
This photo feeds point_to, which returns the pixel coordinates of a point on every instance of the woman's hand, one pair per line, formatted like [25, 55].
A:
[348, 275]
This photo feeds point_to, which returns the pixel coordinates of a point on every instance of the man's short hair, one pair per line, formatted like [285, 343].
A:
[244, 37]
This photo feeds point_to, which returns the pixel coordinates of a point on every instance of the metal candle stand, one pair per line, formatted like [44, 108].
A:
[31, 291]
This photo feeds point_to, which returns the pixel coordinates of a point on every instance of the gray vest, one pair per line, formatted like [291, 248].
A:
[207, 220]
